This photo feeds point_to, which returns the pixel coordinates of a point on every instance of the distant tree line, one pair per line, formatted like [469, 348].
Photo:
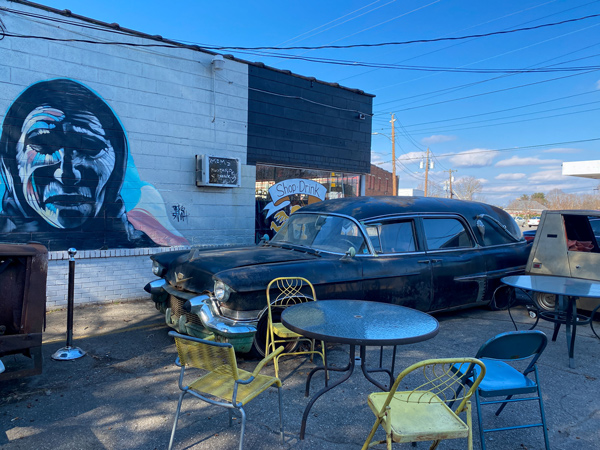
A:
[557, 199]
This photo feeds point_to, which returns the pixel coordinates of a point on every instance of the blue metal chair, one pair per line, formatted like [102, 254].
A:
[503, 380]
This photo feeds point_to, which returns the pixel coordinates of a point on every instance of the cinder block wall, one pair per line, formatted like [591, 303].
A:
[110, 276]
[172, 106]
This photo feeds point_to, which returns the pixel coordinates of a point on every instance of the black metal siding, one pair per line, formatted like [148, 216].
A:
[293, 128]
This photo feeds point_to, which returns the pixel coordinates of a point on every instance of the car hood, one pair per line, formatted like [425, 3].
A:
[193, 271]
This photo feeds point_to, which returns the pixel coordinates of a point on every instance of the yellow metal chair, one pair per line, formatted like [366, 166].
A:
[281, 293]
[425, 413]
[222, 383]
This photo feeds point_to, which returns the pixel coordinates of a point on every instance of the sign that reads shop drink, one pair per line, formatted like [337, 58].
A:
[280, 197]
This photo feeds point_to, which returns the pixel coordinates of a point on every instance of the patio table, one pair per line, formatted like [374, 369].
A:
[356, 323]
[568, 290]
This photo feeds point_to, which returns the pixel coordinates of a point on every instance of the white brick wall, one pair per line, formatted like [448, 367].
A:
[172, 107]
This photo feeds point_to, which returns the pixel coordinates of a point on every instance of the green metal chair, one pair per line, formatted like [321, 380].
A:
[222, 383]
[503, 380]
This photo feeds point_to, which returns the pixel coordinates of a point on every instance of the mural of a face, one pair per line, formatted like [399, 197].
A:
[63, 153]
[64, 163]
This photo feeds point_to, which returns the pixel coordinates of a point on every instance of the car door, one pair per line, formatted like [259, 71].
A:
[458, 265]
[400, 271]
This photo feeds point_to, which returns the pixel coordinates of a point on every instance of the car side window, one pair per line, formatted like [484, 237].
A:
[580, 234]
[494, 235]
[393, 237]
[397, 237]
[445, 234]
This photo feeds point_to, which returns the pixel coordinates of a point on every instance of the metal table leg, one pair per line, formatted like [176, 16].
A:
[349, 369]
[571, 321]
[367, 372]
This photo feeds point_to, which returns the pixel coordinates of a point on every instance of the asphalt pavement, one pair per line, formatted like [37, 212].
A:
[123, 393]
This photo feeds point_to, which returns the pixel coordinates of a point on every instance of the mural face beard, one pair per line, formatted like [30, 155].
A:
[64, 165]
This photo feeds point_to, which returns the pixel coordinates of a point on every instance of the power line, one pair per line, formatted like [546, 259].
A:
[215, 48]
[507, 123]
[503, 110]
[494, 92]
[414, 41]
[511, 149]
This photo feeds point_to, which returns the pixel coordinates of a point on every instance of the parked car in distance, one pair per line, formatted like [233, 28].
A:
[533, 221]
[520, 221]
[529, 235]
[431, 254]
[566, 244]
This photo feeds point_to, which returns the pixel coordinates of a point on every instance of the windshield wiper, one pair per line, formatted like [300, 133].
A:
[296, 247]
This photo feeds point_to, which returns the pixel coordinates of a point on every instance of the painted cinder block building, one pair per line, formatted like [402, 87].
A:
[106, 131]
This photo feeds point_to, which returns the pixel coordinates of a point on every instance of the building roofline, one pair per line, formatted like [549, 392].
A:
[116, 26]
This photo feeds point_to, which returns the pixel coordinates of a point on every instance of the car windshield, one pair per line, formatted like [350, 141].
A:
[321, 232]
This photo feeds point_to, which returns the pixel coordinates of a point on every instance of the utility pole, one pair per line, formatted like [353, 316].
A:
[426, 170]
[450, 179]
[394, 183]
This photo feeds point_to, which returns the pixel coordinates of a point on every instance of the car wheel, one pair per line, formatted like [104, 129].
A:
[260, 338]
[546, 302]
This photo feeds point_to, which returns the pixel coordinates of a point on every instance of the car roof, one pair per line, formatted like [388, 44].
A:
[363, 208]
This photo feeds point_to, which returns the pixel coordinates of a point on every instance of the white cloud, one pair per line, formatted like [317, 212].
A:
[477, 157]
[518, 161]
[437, 139]
[411, 157]
[510, 176]
[546, 176]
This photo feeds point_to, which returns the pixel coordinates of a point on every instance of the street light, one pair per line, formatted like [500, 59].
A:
[394, 183]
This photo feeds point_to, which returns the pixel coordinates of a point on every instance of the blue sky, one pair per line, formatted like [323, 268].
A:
[512, 131]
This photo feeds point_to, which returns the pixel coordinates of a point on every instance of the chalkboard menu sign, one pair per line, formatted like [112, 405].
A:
[217, 171]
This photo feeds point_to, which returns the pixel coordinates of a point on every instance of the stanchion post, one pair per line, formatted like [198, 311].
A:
[69, 352]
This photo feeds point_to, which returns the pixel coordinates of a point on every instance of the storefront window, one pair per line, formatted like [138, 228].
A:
[280, 191]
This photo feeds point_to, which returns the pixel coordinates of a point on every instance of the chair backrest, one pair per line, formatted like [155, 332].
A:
[514, 345]
[287, 291]
[435, 380]
[212, 356]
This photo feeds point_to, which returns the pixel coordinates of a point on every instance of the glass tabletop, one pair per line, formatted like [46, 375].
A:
[572, 287]
[359, 322]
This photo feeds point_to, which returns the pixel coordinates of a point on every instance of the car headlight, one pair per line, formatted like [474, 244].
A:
[221, 291]
[158, 269]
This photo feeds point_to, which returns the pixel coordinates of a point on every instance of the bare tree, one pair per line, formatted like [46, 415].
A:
[433, 189]
[467, 188]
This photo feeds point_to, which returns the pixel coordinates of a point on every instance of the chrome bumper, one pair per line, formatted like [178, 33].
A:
[183, 319]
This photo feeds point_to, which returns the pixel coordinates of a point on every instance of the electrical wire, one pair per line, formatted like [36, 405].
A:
[507, 123]
[335, 20]
[596, 91]
[413, 41]
[497, 91]
[512, 149]
[380, 44]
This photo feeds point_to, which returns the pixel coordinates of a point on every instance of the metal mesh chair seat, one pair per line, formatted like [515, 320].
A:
[280, 330]
[214, 384]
